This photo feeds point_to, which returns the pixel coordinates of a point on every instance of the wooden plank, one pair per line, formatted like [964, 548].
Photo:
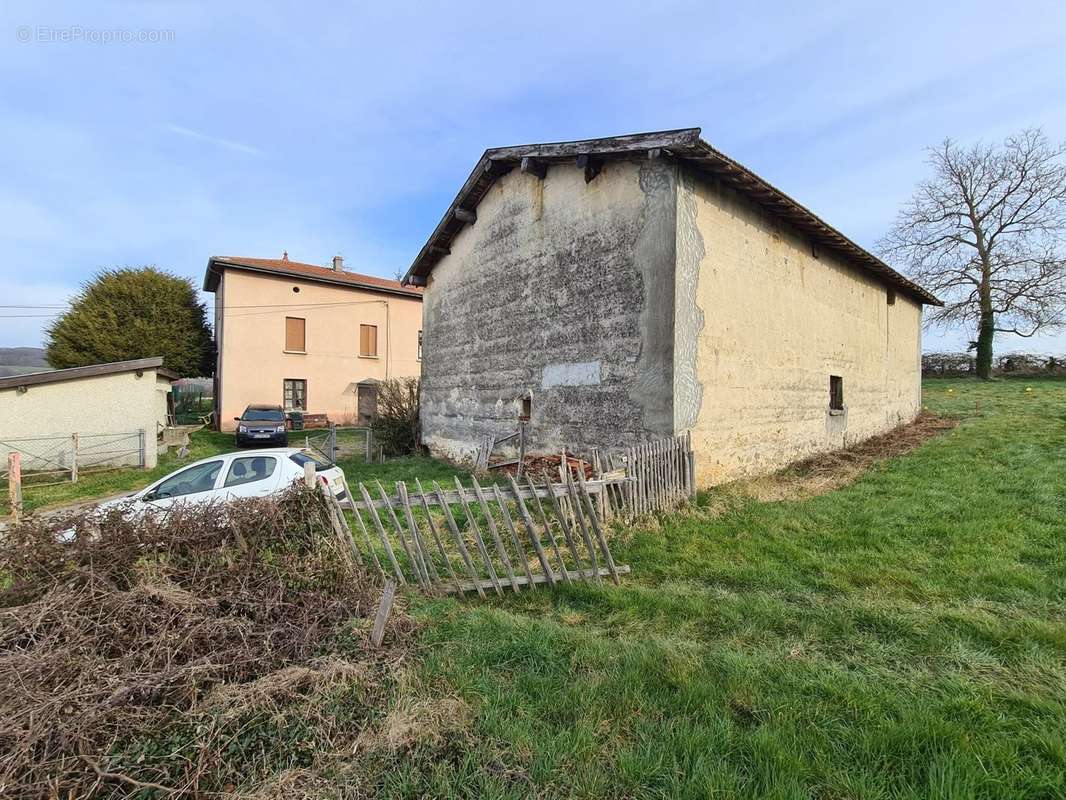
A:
[384, 607]
[403, 539]
[340, 524]
[494, 531]
[362, 525]
[630, 143]
[583, 526]
[476, 531]
[531, 530]
[567, 534]
[457, 537]
[598, 530]
[548, 530]
[572, 575]
[429, 569]
[381, 533]
[465, 215]
[509, 524]
[435, 534]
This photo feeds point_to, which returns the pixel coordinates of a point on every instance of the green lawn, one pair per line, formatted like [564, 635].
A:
[902, 637]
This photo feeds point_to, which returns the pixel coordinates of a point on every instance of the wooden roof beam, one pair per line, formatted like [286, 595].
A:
[592, 166]
[465, 215]
[534, 166]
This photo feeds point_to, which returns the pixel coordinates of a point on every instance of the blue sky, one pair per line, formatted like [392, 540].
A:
[252, 128]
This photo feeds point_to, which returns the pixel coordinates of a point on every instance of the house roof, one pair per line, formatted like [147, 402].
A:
[684, 145]
[312, 272]
[90, 371]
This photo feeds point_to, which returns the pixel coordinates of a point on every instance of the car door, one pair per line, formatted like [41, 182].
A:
[195, 484]
[251, 476]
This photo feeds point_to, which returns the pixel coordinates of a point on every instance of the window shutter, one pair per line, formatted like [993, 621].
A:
[368, 340]
[294, 334]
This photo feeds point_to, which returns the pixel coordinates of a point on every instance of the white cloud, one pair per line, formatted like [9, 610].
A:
[228, 144]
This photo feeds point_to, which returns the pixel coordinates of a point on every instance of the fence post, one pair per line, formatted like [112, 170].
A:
[74, 458]
[332, 443]
[14, 484]
[141, 442]
[369, 437]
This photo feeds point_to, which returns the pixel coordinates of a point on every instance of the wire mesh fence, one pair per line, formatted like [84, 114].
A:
[335, 443]
[60, 458]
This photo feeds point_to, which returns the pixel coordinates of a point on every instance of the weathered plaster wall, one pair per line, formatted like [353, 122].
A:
[778, 322]
[562, 291]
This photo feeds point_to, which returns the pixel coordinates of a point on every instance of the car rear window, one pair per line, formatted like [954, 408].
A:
[302, 458]
[263, 415]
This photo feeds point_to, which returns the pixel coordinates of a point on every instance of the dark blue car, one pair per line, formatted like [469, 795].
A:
[262, 425]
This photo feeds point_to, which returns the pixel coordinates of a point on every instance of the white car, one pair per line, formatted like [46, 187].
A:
[230, 476]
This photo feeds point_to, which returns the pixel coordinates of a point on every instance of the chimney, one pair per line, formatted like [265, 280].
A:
[338, 263]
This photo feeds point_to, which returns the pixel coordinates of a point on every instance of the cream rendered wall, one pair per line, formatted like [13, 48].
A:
[106, 404]
[767, 325]
[252, 358]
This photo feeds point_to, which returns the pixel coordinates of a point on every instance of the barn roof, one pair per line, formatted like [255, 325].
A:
[686, 146]
[296, 269]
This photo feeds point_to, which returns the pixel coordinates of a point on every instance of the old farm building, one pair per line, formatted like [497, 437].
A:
[617, 290]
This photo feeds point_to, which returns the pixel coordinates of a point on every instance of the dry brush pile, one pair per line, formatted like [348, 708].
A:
[203, 653]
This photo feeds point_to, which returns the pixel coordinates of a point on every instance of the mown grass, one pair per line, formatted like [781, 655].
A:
[902, 637]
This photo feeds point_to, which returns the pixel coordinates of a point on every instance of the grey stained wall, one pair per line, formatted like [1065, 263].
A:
[562, 291]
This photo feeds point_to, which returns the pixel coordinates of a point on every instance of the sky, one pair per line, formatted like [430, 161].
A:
[166, 132]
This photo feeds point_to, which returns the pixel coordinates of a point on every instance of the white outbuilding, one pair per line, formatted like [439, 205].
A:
[101, 415]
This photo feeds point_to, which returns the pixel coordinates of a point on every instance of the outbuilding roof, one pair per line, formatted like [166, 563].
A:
[685, 145]
[295, 269]
[91, 371]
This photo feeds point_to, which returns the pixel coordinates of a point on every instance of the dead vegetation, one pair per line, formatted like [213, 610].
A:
[198, 654]
[833, 470]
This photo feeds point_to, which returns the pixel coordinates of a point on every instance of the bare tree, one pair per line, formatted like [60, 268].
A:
[986, 234]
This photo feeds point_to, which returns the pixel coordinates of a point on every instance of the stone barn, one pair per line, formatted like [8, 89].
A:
[619, 290]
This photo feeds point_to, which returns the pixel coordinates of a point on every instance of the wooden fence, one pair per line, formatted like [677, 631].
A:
[478, 538]
[511, 536]
[662, 473]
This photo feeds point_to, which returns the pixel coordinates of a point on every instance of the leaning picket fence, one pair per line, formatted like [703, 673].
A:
[478, 538]
[520, 535]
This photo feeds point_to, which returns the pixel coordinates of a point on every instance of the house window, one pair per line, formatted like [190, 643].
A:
[295, 394]
[420, 345]
[836, 393]
[294, 335]
[368, 341]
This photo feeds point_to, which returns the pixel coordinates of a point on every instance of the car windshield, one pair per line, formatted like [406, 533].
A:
[304, 457]
[263, 415]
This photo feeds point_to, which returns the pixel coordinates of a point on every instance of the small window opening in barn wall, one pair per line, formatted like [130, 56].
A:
[836, 393]
[814, 251]
[891, 295]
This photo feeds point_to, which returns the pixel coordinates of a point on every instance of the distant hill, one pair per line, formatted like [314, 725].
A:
[19, 360]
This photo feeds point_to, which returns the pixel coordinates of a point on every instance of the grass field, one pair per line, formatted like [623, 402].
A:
[902, 637]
